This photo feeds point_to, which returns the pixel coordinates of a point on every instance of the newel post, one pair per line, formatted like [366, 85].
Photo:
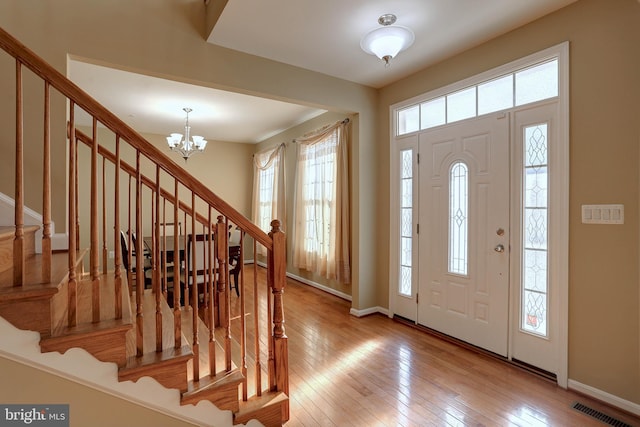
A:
[277, 273]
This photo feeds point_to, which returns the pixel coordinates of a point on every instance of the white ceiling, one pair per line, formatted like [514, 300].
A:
[154, 105]
[325, 35]
[322, 36]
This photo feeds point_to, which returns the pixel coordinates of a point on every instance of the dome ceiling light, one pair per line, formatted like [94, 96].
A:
[389, 40]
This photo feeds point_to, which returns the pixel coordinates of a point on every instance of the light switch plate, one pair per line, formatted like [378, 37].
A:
[603, 214]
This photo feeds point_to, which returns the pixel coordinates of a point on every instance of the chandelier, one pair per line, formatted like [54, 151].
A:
[389, 40]
[190, 144]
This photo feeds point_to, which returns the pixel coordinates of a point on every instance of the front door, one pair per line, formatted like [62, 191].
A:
[464, 239]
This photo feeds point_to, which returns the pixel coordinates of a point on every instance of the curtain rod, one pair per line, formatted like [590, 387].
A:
[344, 122]
[274, 148]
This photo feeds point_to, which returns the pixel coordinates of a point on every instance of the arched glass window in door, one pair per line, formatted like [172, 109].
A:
[458, 218]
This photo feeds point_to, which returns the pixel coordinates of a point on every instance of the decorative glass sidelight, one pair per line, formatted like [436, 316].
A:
[406, 221]
[535, 231]
[458, 218]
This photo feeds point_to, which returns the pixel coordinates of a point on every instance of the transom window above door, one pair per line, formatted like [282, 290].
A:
[525, 86]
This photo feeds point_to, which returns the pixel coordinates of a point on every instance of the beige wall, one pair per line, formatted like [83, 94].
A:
[604, 297]
[290, 162]
[166, 38]
[87, 407]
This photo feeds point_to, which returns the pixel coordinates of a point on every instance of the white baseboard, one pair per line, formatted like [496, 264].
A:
[605, 397]
[31, 217]
[368, 311]
[353, 311]
[319, 286]
[60, 242]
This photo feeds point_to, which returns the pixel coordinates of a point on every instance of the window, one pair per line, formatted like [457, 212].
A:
[269, 189]
[265, 192]
[432, 113]
[406, 220]
[534, 224]
[495, 95]
[524, 86]
[458, 218]
[318, 195]
[409, 119]
[461, 105]
[321, 235]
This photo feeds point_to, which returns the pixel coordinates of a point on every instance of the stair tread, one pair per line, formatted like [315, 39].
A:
[207, 383]
[28, 291]
[33, 269]
[257, 402]
[92, 329]
[254, 407]
[147, 360]
[9, 231]
[7, 237]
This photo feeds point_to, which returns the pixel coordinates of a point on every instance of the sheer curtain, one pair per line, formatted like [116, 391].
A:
[321, 234]
[269, 189]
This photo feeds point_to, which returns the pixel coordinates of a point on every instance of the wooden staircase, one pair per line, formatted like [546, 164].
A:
[201, 348]
[109, 339]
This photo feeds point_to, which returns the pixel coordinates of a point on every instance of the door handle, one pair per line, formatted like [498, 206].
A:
[499, 248]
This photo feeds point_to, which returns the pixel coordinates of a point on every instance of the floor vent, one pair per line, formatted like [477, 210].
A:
[593, 413]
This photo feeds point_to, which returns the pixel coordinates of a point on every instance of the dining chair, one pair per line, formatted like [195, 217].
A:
[199, 242]
[131, 268]
[200, 256]
[235, 236]
[168, 232]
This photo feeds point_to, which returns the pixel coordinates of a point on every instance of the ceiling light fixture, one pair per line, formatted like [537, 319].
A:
[388, 41]
[186, 147]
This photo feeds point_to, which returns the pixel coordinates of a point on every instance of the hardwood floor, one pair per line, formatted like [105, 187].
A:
[373, 371]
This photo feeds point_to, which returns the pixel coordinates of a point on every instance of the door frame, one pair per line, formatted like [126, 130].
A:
[559, 197]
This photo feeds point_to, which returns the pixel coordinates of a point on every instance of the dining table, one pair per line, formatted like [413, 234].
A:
[169, 241]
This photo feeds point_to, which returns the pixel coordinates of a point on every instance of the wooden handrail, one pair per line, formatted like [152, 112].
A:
[86, 102]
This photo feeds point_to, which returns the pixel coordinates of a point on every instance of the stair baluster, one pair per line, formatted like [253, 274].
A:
[139, 262]
[46, 185]
[256, 322]
[18, 241]
[116, 236]
[94, 223]
[73, 231]
[195, 293]
[155, 250]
